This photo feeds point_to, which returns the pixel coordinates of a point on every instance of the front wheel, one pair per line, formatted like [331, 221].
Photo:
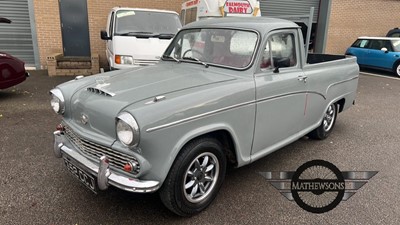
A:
[195, 177]
[396, 69]
[328, 122]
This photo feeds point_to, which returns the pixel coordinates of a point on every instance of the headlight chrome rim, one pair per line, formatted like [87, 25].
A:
[57, 95]
[129, 120]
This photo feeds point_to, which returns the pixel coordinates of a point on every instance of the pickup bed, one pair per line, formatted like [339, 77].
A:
[226, 92]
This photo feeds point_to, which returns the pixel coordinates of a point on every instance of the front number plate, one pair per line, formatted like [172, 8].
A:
[88, 180]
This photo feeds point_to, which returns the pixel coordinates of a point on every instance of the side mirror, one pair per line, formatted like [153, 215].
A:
[104, 36]
[4, 20]
[384, 50]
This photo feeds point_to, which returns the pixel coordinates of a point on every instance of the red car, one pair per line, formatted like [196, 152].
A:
[12, 70]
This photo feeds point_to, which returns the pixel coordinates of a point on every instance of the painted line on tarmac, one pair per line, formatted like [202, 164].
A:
[377, 75]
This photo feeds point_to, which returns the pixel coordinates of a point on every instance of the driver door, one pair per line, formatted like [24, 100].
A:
[280, 93]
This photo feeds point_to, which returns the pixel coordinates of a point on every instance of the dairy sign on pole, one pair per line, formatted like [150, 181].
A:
[194, 10]
[240, 7]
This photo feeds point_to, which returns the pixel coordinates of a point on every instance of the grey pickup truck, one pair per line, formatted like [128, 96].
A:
[226, 92]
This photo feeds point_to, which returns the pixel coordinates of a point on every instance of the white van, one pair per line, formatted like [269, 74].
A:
[138, 37]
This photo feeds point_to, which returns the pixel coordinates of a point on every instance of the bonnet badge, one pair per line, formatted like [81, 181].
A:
[84, 118]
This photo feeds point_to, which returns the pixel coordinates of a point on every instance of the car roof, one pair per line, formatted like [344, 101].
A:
[380, 38]
[144, 9]
[261, 24]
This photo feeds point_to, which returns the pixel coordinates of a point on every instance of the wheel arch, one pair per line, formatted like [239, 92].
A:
[395, 65]
[223, 135]
[221, 132]
[227, 142]
[340, 103]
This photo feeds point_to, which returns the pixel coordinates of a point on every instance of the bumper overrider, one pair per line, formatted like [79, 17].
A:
[105, 177]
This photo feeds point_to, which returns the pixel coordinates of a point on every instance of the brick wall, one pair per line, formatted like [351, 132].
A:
[353, 18]
[48, 28]
[47, 18]
[349, 19]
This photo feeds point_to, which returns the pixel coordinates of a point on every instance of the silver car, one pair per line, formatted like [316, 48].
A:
[226, 92]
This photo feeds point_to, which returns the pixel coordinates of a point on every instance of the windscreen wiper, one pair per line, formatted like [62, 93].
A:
[164, 36]
[138, 34]
[197, 60]
[171, 57]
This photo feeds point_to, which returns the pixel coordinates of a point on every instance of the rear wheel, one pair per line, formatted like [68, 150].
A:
[328, 122]
[195, 177]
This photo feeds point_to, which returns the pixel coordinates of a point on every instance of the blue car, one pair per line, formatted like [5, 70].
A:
[381, 53]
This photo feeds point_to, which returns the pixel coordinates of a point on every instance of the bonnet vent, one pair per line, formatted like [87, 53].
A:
[100, 91]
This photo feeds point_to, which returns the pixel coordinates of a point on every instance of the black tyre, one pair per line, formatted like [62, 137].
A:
[195, 177]
[328, 122]
[396, 69]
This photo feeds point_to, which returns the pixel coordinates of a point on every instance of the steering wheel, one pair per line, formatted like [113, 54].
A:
[192, 50]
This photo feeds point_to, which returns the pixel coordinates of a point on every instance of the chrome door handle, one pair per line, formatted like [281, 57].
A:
[302, 78]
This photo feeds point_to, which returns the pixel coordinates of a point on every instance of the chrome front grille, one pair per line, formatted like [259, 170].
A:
[117, 159]
[144, 62]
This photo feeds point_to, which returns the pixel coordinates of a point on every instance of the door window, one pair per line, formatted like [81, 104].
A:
[376, 44]
[360, 43]
[388, 45]
[110, 31]
[396, 46]
[279, 51]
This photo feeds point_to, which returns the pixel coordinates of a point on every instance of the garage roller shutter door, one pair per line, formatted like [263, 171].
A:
[16, 38]
[276, 8]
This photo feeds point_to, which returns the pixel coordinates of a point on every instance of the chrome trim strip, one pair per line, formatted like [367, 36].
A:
[289, 93]
[198, 116]
[317, 93]
[227, 108]
[244, 104]
[339, 82]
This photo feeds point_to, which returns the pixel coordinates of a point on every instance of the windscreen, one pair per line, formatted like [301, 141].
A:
[224, 47]
[131, 21]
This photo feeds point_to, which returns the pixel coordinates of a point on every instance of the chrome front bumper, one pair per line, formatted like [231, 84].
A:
[105, 176]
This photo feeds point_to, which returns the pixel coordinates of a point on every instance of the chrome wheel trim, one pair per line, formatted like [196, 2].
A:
[200, 177]
[329, 117]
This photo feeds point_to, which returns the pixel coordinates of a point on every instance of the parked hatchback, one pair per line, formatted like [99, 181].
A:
[377, 52]
[12, 70]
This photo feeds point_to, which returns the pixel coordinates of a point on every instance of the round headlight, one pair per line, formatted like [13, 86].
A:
[127, 130]
[57, 101]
